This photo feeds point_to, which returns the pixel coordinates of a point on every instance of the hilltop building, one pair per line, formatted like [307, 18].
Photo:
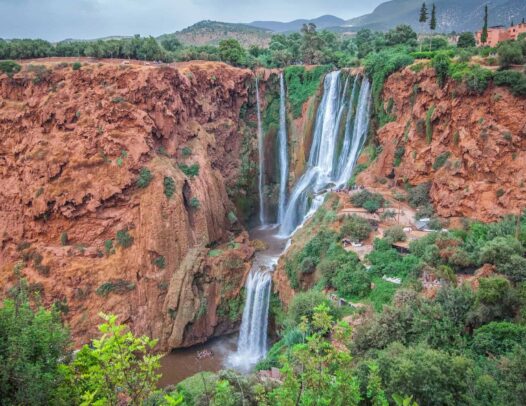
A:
[499, 33]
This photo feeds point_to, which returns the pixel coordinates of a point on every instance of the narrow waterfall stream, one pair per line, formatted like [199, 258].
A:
[261, 156]
[283, 151]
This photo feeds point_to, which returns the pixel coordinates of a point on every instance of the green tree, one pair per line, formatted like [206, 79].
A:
[466, 40]
[317, 372]
[231, 51]
[402, 34]
[32, 345]
[432, 24]
[484, 34]
[422, 20]
[510, 53]
[116, 368]
[311, 45]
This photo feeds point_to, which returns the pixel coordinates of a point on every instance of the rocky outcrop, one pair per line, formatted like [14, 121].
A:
[86, 235]
[472, 148]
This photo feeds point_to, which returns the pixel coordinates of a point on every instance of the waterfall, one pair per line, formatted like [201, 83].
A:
[261, 149]
[252, 342]
[283, 155]
[325, 169]
[328, 166]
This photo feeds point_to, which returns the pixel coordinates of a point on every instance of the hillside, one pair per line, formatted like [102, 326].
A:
[326, 21]
[452, 15]
[212, 32]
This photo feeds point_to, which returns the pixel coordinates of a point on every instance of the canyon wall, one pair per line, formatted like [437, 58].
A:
[78, 224]
[471, 148]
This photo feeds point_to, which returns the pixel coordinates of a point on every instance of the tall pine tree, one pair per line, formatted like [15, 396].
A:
[432, 25]
[484, 35]
[422, 20]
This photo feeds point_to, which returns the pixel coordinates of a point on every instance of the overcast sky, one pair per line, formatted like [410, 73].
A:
[85, 19]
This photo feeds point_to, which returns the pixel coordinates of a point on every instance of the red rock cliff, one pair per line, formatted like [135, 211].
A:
[480, 139]
[72, 146]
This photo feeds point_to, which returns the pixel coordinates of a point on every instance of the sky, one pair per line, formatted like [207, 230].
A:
[55, 20]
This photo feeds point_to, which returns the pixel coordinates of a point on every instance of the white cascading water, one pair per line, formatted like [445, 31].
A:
[283, 152]
[325, 169]
[261, 152]
[252, 342]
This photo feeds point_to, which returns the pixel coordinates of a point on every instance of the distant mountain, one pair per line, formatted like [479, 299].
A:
[326, 21]
[212, 32]
[452, 15]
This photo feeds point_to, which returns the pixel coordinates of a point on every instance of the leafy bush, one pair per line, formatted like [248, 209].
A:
[441, 64]
[190, 171]
[378, 67]
[372, 205]
[395, 234]
[498, 338]
[441, 160]
[169, 186]
[429, 124]
[466, 40]
[9, 67]
[145, 177]
[187, 151]
[124, 239]
[64, 240]
[302, 83]
[108, 247]
[353, 281]
[33, 343]
[119, 286]
[76, 65]
[419, 195]
[159, 262]
[304, 303]
[195, 203]
[516, 81]
[232, 218]
[355, 227]
[499, 250]
[510, 53]
[359, 199]
[398, 155]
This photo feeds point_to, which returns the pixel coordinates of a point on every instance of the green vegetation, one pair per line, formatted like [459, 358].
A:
[9, 67]
[169, 186]
[195, 203]
[302, 83]
[441, 160]
[145, 177]
[76, 65]
[356, 228]
[64, 240]
[119, 287]
[190, 171]
[371, 202]
[186, 151]
[124, 239]
[159, 262]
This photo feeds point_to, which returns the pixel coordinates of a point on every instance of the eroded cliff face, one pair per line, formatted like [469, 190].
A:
[472, 148]
[86, 235]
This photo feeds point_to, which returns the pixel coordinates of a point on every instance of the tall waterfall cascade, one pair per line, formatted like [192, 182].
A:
[261, 156]
[340, 131]
[331, 161]
[252, 342]
[283, 155]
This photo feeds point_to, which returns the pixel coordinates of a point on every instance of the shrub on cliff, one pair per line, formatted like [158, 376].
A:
[190, 171]
[231, 51]
[9, 67]
[145, 177]
[169, 186]
[124, 238]
[395, 234]
[441, 64]
[516, 81]
[355, 227]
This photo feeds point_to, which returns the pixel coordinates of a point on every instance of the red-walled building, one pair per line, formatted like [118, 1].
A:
[500, 33]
